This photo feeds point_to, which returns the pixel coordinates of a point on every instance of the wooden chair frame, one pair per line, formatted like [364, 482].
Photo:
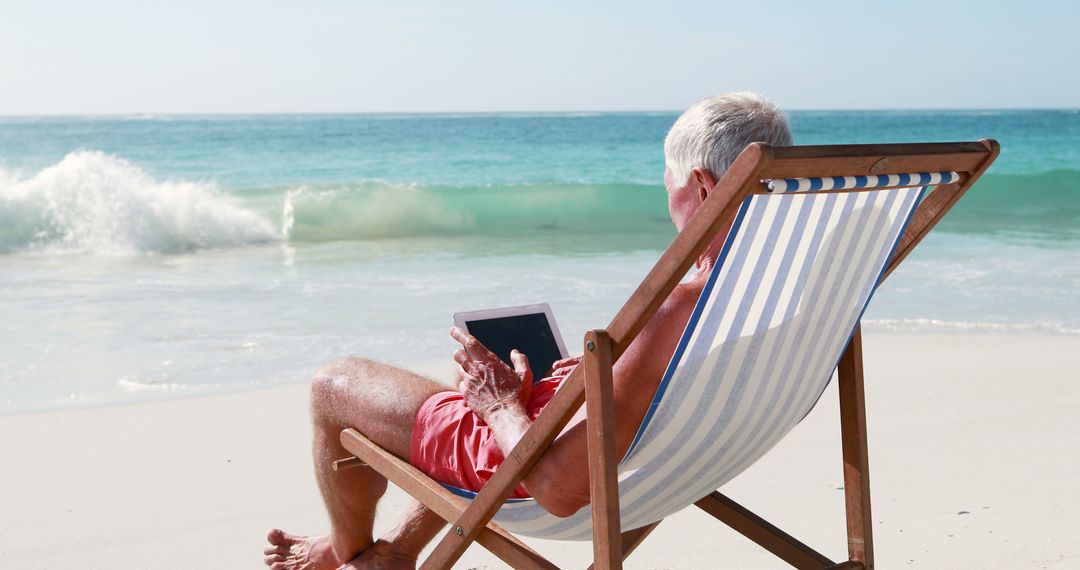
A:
[591, 383]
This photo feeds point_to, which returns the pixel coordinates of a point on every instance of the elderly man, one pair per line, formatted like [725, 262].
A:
[459, 437]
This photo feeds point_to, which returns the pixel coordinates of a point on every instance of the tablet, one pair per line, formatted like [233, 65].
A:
[529, 328]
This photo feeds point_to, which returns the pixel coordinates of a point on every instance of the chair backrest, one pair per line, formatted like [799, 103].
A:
[776, 313]
[793, 278]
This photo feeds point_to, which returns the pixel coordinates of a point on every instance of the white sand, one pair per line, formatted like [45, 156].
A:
[974, 453]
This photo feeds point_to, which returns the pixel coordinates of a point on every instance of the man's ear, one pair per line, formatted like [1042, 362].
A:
[705, 182]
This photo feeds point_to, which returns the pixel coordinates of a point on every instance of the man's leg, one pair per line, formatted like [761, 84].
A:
[381, 402]
[400, 547]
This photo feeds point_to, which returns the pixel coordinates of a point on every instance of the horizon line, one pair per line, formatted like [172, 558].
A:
[504, 112]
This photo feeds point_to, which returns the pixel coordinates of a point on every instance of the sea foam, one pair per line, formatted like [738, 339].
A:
[95, 203]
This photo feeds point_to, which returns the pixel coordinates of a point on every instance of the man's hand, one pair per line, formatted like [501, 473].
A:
[564, 366]
[487, 383]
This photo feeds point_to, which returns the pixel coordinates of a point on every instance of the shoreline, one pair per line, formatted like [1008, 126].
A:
[972, 455]
[430, 368]
[438, 371]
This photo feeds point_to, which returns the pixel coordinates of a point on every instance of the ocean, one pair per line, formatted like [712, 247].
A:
[150, 257]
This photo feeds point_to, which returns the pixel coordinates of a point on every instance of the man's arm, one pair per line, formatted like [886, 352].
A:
[562, 475]
[492, 390]
[559, 481]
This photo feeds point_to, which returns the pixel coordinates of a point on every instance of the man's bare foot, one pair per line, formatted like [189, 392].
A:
[291, 552]
[381, 555]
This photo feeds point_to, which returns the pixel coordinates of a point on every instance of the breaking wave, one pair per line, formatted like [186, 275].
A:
[94, 203]
[1044, 204]
[375, 210]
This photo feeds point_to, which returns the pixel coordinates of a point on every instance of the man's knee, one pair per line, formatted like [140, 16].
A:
[337, 379]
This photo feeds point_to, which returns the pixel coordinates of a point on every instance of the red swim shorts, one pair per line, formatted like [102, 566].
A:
[453, 446]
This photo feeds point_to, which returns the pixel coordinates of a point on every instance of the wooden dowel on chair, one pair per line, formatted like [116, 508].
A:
[348, 463]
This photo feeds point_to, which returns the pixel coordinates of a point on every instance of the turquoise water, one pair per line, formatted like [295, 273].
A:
[156, 256]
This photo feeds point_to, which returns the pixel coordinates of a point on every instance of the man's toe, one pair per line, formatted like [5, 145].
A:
[278, 537]
[272, 559]
[276, 549]
[275, 536]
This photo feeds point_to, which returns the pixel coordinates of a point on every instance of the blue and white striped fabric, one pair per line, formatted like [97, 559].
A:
[791, 282]
[852, 182]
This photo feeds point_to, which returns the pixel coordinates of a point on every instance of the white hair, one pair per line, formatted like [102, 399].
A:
[713, 132]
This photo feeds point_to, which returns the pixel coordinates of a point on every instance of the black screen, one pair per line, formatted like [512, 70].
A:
[529, 334]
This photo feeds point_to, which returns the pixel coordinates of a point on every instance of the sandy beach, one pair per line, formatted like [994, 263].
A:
[972, 449]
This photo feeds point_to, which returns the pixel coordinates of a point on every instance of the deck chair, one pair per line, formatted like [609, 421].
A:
[814, 230]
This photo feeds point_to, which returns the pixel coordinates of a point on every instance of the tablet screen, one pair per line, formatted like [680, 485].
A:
[529, 333]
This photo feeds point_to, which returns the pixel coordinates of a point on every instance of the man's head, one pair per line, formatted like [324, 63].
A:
[707, 138]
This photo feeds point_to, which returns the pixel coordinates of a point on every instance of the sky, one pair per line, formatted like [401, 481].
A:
[376, 56]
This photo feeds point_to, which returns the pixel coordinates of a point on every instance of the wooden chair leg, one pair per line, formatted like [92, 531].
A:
[631, 539]
[856, 464]
[603, 476]
[761, 531]
[849, 565]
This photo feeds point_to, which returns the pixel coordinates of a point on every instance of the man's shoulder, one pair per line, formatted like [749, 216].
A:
[675, 311]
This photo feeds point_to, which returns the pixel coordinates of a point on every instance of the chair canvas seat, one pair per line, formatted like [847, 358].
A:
[795, 275]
